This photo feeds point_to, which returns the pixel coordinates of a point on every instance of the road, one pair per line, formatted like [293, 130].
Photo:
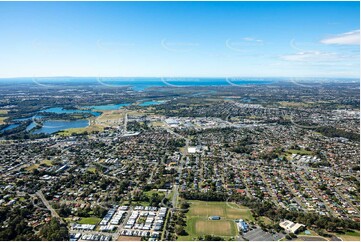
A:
[176, 186]
[54, 214]
[269, 189]
[346, 199]
[311, 186]
[180, 165]
[243, 180]
[293, 191]
[150, 179]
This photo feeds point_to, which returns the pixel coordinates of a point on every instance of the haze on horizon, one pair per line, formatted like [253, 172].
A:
[184, 39]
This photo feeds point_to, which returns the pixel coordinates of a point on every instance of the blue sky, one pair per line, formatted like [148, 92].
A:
[194, 39]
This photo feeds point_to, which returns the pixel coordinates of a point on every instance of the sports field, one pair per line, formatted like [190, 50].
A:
[205, 227]
[223, 209]
[198, 223]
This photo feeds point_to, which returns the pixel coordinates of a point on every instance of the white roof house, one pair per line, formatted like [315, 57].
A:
[290, 226]
[191, 150]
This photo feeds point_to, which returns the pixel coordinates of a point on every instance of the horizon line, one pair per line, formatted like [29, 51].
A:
[200, 77]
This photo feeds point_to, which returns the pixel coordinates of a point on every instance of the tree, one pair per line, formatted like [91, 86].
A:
[54, 231]
[179, 230]
[184, 205]
[64, 211]
[213, 238]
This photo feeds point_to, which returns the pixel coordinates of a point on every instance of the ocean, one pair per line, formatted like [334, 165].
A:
[137, 84]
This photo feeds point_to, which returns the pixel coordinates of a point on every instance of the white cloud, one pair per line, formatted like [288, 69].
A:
[311, 56]
[349, 38]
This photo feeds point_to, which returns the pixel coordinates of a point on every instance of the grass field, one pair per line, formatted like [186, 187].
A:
[222, 209]
[90, 220]
[204, 227]
[310, 238]
[88, 129]
[92, 169]
[350, 236]
[106, 119]
[2, 120]
[151, 192]
[47, 162]
[115, 117]
[312, 233]
[198, 223]
[266, 220]
[36, 166]
[157, 124]
[300, 152]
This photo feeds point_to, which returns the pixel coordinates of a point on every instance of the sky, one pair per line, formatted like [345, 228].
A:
[180, 39]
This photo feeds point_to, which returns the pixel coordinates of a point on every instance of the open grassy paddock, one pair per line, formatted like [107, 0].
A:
[198, 223]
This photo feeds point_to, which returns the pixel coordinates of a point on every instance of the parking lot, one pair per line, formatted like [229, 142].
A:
[258, 234]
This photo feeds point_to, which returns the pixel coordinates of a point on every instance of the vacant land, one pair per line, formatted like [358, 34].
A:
[91, 128]
[90, 220]
[115, 117]
[198, 223]
[129, 238]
